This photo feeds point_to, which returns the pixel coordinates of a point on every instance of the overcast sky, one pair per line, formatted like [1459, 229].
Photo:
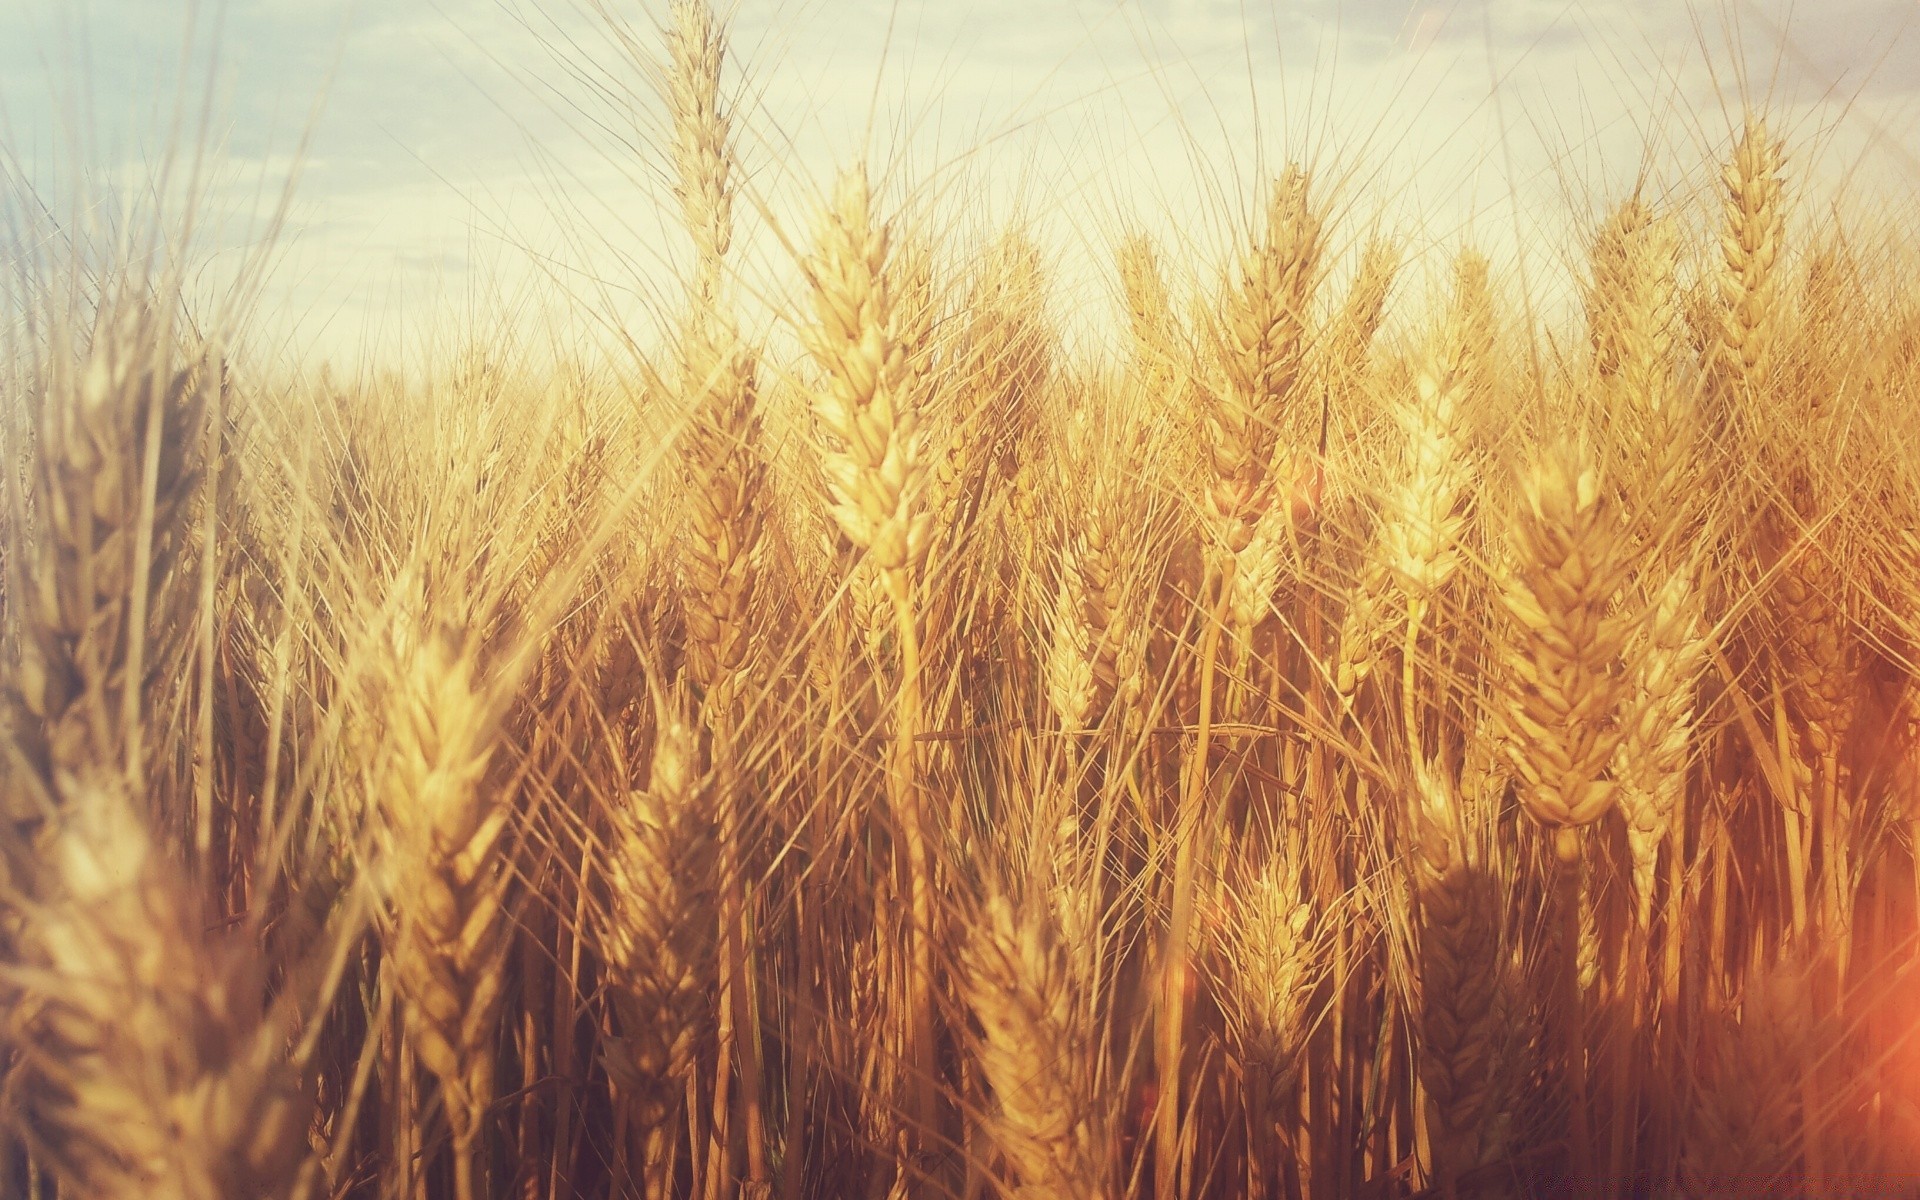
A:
[464, 147]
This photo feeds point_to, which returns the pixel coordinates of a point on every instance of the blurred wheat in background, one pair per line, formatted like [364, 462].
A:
[1324, 740]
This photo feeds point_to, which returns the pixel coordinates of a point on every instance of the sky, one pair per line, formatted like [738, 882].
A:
[458, 168]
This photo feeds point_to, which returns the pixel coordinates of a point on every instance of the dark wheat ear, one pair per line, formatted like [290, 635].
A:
[657, 931]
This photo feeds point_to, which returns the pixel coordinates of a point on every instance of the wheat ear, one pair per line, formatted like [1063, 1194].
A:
[1262, 337]
[1151, 329]
[1459, 949]
[657, 931]
[443, 860]
[1420, 539]
[1031, 1054]
[149, 1062]
[1753, 225]
[876, 473]
[1349, 343]
[1561, 661]
[118, 433]
[1274, 959]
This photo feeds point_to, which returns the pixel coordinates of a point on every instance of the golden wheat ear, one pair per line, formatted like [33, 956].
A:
[1560, 659]
[443, 859]
[1032, 1056]
[152, 1057]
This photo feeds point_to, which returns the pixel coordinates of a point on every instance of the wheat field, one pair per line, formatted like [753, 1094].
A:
[1332, 738]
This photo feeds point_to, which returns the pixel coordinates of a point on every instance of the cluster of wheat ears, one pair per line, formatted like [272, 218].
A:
[1281, 757]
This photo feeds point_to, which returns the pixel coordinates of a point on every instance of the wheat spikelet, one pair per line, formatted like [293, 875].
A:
[1029, 1051]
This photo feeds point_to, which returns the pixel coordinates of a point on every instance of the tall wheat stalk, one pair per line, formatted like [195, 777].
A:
[876, 472]
[725, 476]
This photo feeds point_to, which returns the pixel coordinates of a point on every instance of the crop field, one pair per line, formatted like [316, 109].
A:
[1338, 729]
